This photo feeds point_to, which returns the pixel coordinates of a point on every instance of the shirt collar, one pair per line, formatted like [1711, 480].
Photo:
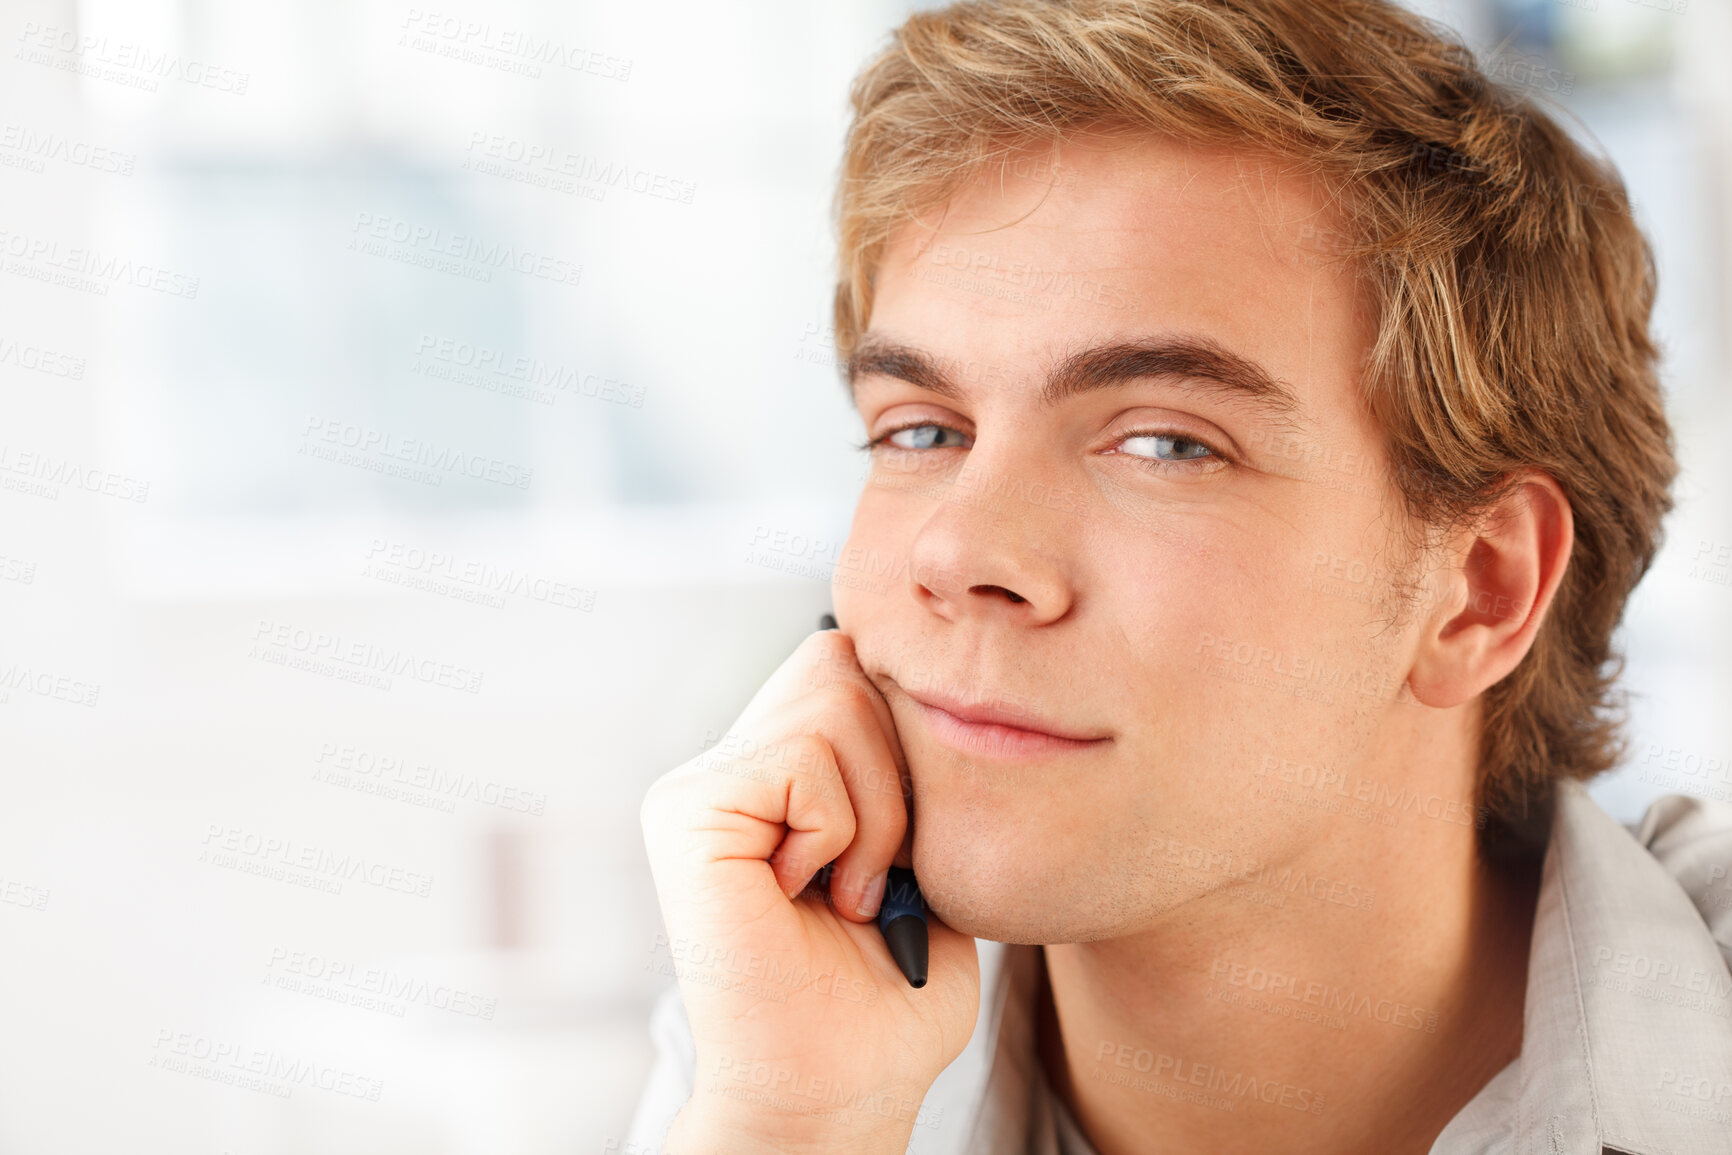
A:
[1015, 1108]
[1628, 1021]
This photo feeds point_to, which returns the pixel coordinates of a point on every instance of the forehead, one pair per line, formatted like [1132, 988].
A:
[1111, 239]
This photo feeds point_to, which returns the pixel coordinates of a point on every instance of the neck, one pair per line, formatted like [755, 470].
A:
[1236, 1026]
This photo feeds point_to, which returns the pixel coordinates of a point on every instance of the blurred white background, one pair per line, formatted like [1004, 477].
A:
[468, 352]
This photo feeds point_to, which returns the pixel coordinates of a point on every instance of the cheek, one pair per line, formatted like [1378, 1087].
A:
[1188, 574]
[1233, 656]
[1172, 577]
[871, 570]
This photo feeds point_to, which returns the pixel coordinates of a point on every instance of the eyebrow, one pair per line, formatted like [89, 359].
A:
[1195, 359]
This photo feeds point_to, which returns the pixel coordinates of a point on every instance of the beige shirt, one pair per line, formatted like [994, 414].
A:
[1626, 1037]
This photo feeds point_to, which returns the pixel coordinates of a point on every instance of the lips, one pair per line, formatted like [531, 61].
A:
[993, 730]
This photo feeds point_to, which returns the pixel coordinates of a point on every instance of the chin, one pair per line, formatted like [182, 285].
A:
[1014, 861]
[1002, 888]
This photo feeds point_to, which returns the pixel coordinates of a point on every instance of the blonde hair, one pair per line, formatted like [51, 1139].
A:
[1512, 286]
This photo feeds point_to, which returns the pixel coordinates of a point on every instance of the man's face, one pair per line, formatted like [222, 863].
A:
[1136, 502]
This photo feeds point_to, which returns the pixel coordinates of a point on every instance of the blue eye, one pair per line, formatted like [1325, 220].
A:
[924, 437]
[1167, 447]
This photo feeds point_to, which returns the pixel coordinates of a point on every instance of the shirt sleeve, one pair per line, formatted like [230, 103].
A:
[671, 1079]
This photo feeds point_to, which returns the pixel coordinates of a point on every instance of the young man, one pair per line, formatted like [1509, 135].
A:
[1265, 438]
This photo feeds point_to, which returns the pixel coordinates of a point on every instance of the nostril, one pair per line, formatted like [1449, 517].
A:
[1011, 594]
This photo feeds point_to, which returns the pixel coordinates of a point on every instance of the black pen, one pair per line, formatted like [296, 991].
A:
[902, 914]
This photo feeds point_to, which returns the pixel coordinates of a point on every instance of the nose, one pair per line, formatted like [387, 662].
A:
[989, 549]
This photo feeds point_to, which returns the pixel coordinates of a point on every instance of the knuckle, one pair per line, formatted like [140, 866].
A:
[831, 640]
[847, 825]
[830, 659]
[850, 697]
[803, 756]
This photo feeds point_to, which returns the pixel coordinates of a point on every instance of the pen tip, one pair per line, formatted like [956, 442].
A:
[906, 938]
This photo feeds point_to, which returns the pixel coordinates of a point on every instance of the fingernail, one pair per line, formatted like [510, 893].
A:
[873, 896]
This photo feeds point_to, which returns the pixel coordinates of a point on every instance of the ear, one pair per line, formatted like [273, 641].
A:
[1498, 580]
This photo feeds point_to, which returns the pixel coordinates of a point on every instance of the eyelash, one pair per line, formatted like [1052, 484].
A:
[1214, 459]
[884, 437]
[1155, 463]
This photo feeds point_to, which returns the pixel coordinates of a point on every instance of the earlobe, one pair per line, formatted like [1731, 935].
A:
[1503, 575]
